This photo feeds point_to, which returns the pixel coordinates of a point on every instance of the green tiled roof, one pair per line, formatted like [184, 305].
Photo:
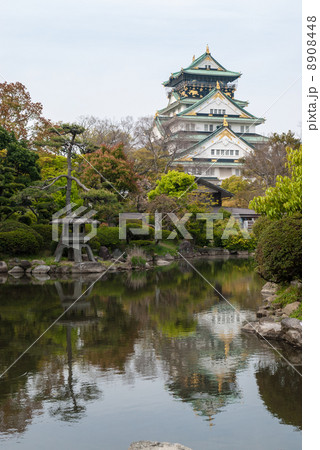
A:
[201, 58]
[215, 133]
[211, 93]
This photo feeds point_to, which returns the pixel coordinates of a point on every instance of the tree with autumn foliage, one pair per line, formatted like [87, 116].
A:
[109, 168]
[18, 113]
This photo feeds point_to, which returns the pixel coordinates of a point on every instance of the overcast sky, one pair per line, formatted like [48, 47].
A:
[108, 58]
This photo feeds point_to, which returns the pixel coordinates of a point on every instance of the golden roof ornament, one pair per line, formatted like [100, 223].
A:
[217, 85]
[225, 122]
[207, 50]
[193, 58]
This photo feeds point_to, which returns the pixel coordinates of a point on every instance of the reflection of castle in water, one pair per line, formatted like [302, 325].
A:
[203, 367]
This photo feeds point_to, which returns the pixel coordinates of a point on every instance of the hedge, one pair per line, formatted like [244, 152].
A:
[279, 250]
[109, 236]
[45, 231]
[19, 242]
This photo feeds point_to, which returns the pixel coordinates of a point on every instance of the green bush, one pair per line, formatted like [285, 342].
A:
[109, 236]
[166, 234]
[135, 225]
[279, 250]
[19, 242]
[138, 261]
[238, 242]
[12, 225]
[45, 232]
[260, 225]
[25, 219]
[141, 243]
[94, 243]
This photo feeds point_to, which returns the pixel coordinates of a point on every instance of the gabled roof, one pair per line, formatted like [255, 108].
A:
[205, 55]
[193, 69]
[215, 133]
[208, 96]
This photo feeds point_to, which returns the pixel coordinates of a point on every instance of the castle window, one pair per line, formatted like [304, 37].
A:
[242, 129]
[215, 111]
[223, 111]
[227, 152]
[218, 152]
[211, 127]
[212, 152]
[247, 129]
[222, 152]
[211, 111]
[205, 127]
[231, 152]
[237, 152]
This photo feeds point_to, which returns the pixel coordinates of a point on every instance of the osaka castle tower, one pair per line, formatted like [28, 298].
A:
[206, 128]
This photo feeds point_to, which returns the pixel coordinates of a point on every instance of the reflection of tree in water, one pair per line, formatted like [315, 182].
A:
[108, 342]
[280, 388]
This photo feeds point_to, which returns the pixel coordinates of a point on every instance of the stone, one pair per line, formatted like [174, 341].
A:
[269, 330]
[243, 252]
[261, 312]
[264, 328]
[168, 257]
[269, 288]
[16, 270]
[37, 262]
[292, 331]
[186, 247]
[104, 253]
[42, 268]
[88, 267]
[149, 445]
[290, 308]
[117, 254]
[296, 283]
[3, 267]
[162, 262]
[25, 264]
[63, 270]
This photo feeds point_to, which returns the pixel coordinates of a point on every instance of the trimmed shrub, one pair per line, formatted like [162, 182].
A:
[141, 243]
[279, 250]
[19, 242]
[109, 236]
[12, 225]
[45, 232]
[94, 243]
[238, 242]
[135, 225]
[260, 225]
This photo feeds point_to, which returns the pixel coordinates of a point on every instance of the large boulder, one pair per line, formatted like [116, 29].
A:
[3, 267]
[37, 262]
[104, 253]
[149, 445]
[25, 264]
[117, 254]
[292, 331]
[269, 288]
[186, 248]
[290, 308]
[42, 268]
[16, 270]
[264, 328]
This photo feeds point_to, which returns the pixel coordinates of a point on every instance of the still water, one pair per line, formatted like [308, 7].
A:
[155, 355]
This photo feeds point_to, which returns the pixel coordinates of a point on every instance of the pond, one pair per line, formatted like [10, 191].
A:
[156, 355]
